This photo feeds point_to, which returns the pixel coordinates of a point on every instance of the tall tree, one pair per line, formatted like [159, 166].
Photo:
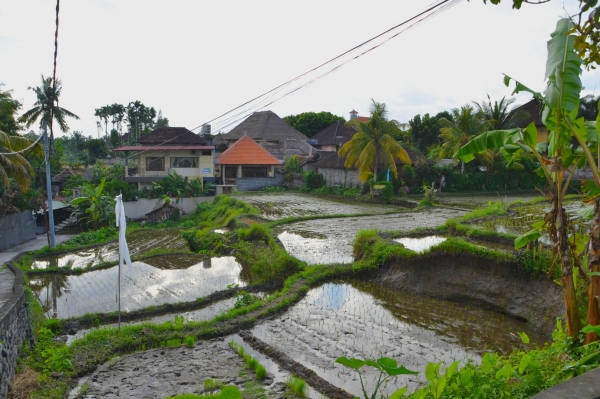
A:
[457, 131]
[9, 108]
[373, 146]
[424, 131]
[46, 107]
[15, 166]
[588, 107]
[499, 115]
[311, 123]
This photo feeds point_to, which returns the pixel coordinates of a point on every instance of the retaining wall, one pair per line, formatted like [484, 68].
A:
[15, 330]
[258, 183]
[138, 209]
[16, 229]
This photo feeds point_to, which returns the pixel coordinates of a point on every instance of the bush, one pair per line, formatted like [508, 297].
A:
[313, 180]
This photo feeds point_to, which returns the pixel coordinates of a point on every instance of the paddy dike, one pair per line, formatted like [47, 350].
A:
[499, 286]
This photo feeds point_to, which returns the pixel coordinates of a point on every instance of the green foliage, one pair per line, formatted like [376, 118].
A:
[387, 367]
[94, 208]
[311, 123]
[243, 299]
[424, 132]
[256, 232]
[212, 385]
[9, 109]
[292, 165]
[228, 392]
[297, 385]
[250, 361]
[313, 180]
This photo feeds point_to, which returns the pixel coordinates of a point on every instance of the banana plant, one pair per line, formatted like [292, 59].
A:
[559, 159]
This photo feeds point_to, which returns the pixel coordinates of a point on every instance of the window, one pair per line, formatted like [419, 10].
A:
[184, 162]
[155, 163]
[206, 152]
[254, 171]
[230, 172]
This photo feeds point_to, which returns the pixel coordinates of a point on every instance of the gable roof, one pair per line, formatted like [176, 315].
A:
[264, 125]
[336, 133]
[531, 112]
[171, 136]
[246, 151]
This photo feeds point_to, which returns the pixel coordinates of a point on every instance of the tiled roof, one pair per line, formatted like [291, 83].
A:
[246, 151]
[363, 119]
[336, 133]
[171, 136]
[163, 147]
[264, 126]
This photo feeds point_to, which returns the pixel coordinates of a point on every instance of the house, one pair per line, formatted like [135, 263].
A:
[246, 166]
[164, 211]
[354, 115]
[531, 112]
[167, 150]
[273, 134]
[332, 137]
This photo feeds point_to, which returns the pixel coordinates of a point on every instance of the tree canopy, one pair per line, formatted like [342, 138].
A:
[424, 132]
[311, 123]
[9, 107]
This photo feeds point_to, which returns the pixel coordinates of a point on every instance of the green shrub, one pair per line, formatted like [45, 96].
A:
[313, 180]
[256, 232]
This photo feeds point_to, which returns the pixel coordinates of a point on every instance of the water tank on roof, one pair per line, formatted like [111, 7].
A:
[205, 129]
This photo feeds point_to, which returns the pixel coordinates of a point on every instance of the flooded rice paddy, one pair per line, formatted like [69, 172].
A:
[139, 242]
[144, 285]
[282, 205]
[365, 320]
[330, 240]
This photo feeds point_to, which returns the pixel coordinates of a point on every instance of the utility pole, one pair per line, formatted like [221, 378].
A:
[49, 186]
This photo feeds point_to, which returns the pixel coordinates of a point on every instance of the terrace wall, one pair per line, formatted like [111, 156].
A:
[16, 229]
[15, 329]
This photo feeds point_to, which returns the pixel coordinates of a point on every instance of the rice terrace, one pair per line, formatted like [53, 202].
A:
[423, 244]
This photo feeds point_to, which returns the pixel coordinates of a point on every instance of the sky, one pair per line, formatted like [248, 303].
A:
[195, 60]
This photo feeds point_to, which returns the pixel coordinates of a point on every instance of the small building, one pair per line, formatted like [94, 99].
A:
[246, 166]
[354, 115]
[167, 150]
[332, 137]
[273, 134]
[164, 211]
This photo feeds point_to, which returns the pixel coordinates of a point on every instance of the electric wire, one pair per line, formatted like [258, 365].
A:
[24, 149]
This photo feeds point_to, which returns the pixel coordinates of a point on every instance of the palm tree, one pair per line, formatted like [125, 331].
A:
[15, 166]
[47, 107]
[456, 132]
[498, 114]
[373, 145]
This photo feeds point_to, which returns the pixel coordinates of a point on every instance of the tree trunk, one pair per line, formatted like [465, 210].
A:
[572, 312]
[594, 266]
[462, 167]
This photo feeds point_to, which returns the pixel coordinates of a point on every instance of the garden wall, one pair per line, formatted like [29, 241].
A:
[15, 328]
[258, 183]
[499, 286]
[16, 229]
[138, 209]
[340, 177]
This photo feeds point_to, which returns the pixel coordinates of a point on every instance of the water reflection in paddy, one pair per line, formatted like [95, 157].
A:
[420, 244]
[330, 240]
[139, 242]
[366, 320]
[65, 296]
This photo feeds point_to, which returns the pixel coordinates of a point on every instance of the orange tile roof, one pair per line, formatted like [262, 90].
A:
[246, 151]
[363, 119]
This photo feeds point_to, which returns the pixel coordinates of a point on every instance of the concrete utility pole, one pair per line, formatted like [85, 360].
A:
[49, 187]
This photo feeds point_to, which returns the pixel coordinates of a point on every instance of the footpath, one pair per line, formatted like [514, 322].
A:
[38, 243]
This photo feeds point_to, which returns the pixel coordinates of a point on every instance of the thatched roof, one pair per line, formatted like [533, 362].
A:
[531, 112]
[264, 126]
[161, 204]
[171, 136]
[336, 133]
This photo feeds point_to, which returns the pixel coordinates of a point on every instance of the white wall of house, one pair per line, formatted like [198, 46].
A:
[205, 164]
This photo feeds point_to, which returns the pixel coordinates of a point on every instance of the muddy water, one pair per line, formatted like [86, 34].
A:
[330, 240]
[481, 201]
[365, 320]
[282, 205]
[64, 296]
[139, 242]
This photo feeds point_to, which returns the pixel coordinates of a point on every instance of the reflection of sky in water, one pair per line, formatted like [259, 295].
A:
[420, 244]
[315, 250]
[139, 242]
[143, 286]
[371, 321]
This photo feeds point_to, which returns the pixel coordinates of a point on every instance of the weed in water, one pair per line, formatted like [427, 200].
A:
[212, 385]
[190, 341]
[228, 392]
[297, 385]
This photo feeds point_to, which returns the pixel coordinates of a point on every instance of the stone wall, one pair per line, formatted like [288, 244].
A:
[15, 329]
[258, 183]
[340, 177]
[16, 229]
[136, 210]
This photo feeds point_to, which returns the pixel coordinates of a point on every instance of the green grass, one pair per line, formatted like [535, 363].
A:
[228, 392]
[212, 385]
[296, 385]
[251, 362]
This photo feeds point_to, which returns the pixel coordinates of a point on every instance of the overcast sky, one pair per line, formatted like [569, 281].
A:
[195, 60]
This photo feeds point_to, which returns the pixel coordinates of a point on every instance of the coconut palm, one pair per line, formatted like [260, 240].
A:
[46, 107]
[456, 132]
[498, 114]
[15, 166]
[373, 147]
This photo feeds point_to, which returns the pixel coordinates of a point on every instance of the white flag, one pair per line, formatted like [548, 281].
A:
[122, 225]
